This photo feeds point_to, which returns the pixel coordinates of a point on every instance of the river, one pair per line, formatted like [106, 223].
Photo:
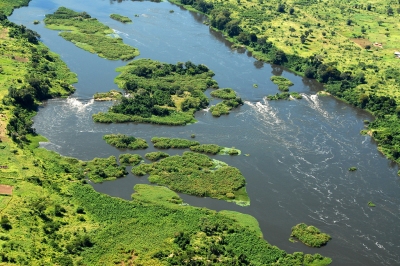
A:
[300, 150]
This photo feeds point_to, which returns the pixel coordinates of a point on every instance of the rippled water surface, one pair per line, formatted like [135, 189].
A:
[300, 150]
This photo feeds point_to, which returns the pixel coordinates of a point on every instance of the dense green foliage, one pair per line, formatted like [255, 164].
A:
[225, 106]
[130, 159]
[122, 141]
[89, 34]
[7, 6]
[284, 96]
[207, 148]
[175, 143]
[195, 174]
[282, 82]
[156, 155]
[101, 169]
[120, 18]
[310, 235]
[226, 94]
[160, 93]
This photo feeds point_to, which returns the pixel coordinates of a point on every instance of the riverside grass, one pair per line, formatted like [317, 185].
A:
[330, 41]
[89, 34]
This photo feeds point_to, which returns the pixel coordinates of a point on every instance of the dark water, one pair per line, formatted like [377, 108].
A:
[300, 150]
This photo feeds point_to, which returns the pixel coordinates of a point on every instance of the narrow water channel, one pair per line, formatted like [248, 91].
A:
[300, 150]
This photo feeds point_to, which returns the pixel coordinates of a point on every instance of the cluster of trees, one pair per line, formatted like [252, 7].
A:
[310, 235]
[122, 141]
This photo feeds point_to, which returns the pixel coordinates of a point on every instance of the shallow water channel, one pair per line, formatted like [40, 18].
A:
[300, 150]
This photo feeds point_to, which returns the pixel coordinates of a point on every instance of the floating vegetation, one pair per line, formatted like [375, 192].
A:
[310, 235]
[122, 141]
[120, 18]
[255, 86]
[352, 169]
[371, 204]
[283, 83]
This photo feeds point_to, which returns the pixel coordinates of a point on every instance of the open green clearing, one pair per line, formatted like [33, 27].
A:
[120, 18]
[55, 218]
[89, 34]
[122, 141]
[310, 235]
[160, 93]
[348, 45]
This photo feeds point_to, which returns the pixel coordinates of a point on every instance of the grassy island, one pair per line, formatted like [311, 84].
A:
[155, 156]
[122, 141]
[89, 34]
[197, 174]
[130, 159]
[224, 107]
[160, 93]
[226, 94]
[54, 217]
[120, 18]
[101, 169]
[310, 235]
[107, 96]
[282, 82]
[285, 96]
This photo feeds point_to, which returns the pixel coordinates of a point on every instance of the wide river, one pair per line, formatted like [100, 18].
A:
[300, 150]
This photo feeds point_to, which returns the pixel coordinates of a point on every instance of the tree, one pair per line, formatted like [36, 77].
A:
[349, 22]
[291, 11]
[369, 7]
[5, 223]
[281, 8]
[390, 11]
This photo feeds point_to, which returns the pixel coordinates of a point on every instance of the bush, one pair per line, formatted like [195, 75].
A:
[310, 235]
[155, 156]
[122, 141]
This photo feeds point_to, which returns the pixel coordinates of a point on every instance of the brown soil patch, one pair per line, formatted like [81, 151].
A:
[362, 42]
[3, 124]
[21, 59]
[3, 33]
[6, 190]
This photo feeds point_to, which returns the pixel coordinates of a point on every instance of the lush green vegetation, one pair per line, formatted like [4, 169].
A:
[156, 155]
[160, 93]
[107, 96]
[371, 204]
[207, 148]
[130, 159]
[352, 169]
[101, 169]
[338, 43]
[7, 6]
[122, 141]
[224, 107]
[89, 34]
[120, 18]
[282, 82]
[284, 96]
[175, 143]
[53, 217]
[226, 94]
[310, 235]
[196, 174]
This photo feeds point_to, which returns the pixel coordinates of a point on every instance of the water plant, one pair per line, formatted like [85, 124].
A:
[371, 204]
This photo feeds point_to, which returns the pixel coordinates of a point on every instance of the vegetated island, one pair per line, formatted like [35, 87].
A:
[321, 42]
[120, 18]
[310, 235]
[285, 96]
[130, 159]
[68, 222]
[156, 155]
[102, 169]
[107, 96]
[197, 174]
[122, 141]
[230, 101]
[160, 93]
[178, 143]
[89, 34]
[282, 82]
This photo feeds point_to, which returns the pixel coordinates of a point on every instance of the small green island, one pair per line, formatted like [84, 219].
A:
[284, 96]
[130, 159]
[230, 101]
[122, 141]
[226, 94]
[89, 34]
[112, 95]
[120, 18]
[283, 83]
[310, 235]
[102, 169]
[156, 155]
[197, 174]
[160, 93]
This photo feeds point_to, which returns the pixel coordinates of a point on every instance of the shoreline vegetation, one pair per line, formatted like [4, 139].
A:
[89, 34]
[310, 235]
[161, 93]
[120, 18]
[350, 52]
[54, 215]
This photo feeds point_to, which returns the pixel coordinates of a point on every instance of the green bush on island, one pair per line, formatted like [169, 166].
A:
[352, 169]
[175, 143]
[130, 159]
[284, 96]
[155, 156]
[371, 204]
[224, 107]
[120, 18]
[283, 83]
[100, 169]
[122, 141]
[310, 235]
[160, 93]
[207, 148]
[89, 34]
[226, 94]
[195, 174]
[107, 96]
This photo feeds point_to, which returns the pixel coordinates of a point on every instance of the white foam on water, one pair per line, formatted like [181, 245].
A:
[120, 32]
[78, 105]
[315, 104]
[267, 113]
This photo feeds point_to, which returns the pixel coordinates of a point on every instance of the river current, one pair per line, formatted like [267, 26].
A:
[299, 151]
